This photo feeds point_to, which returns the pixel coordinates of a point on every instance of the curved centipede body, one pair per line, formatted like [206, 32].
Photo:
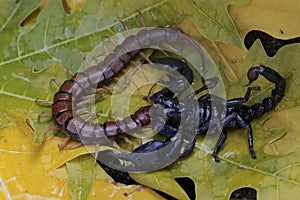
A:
[64, 107]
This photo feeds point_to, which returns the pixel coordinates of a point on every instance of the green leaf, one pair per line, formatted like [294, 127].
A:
[39, 40]
[81, 176]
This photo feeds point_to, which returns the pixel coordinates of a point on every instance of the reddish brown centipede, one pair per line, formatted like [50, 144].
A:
[83, 83]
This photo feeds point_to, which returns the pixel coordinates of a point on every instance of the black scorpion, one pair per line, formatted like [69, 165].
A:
[237, 114]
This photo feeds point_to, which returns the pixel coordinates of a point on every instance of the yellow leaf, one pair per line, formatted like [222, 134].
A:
[30, 171]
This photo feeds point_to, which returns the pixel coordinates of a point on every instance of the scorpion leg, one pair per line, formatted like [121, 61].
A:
[247, 126]
[223, 136]
[220, 143]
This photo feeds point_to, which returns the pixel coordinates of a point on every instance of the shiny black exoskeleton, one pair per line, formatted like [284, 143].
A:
[237, 114]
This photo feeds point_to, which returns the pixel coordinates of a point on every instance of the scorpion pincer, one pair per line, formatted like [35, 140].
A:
[237, 114]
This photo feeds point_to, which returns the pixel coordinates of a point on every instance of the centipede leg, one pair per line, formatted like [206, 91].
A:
[142, 18]
[75, 146]
[44, 115]
[51, 128]
[70, 72]
[104, 88]
[115, 144]
[56, 82]
[43, 103]
[126, 28]
[143, 55]
[66, 141]
[128, 141]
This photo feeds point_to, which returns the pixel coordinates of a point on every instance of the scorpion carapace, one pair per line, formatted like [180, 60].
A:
[237, 114]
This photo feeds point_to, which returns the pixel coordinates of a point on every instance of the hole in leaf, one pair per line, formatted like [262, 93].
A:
[72, 6]
[243, 194]
[31, 19]
[270, 44]
[188, 186]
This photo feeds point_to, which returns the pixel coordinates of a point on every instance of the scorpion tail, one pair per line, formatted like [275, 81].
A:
[268, 103]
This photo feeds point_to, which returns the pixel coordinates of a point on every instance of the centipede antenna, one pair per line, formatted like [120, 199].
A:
[43, 103]
[56, 82]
